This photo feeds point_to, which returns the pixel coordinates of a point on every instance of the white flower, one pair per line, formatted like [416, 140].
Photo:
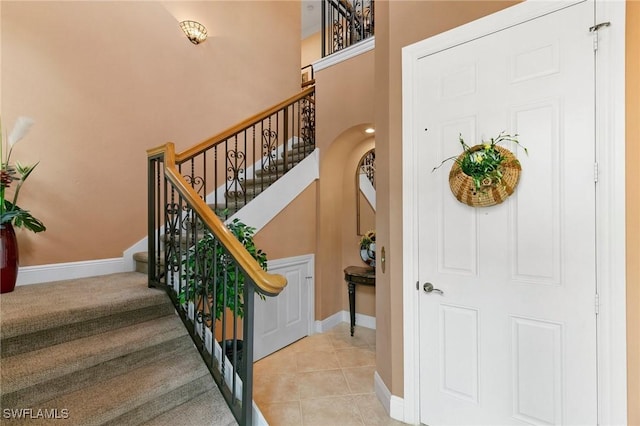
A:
[20, 129]
[477, 157]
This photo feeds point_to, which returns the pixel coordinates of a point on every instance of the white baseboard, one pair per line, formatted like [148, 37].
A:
[328, 323]
[396, 411]
[71, 270]
[394, 405]
[362, 320]
[258, 418]
[382, 392]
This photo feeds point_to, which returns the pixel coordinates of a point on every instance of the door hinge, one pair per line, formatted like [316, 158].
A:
[595, 172]
[597, 304]
[595, 30]
[418, 285]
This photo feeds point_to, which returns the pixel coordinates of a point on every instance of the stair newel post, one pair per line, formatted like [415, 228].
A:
[247, 352]
[153, 212]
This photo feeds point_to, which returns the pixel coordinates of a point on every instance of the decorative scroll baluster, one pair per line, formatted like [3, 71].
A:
[368, 167]
[308, 118]
[196, 182]
[235, 173]
[345, 22]
[269, 149]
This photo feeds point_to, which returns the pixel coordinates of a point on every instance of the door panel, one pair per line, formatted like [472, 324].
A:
[459, 361]
[538, 228]
[513, 338]
[537, 370]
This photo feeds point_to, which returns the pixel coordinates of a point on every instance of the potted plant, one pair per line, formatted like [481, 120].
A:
[485, 174]
[207, 263]
[12, 177]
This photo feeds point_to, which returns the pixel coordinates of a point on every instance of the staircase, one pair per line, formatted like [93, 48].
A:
[249, 190]
[234, 167]
[101, 351]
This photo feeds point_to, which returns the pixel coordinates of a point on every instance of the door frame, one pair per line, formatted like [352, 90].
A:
[610, 199]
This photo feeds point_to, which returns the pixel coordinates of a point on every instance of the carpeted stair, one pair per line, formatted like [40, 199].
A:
[101, 351]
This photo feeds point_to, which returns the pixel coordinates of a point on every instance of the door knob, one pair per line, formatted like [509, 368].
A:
[428, 288]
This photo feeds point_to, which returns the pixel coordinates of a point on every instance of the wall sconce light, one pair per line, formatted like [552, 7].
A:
[195, 31]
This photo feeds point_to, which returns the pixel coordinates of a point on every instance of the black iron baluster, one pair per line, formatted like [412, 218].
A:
[247, 351]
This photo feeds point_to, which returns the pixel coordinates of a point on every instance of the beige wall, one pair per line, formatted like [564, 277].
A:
[633, 209]
[105, 81]
[400, 23]
[344, 108]
[311, 49]
[293, 231]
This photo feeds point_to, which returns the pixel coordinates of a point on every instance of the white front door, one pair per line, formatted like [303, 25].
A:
[281, 320]
[513, 338]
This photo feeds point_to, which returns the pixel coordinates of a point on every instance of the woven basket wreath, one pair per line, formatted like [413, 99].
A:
[491, 191]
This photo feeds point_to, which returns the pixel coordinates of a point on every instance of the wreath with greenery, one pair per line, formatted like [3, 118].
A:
[484, 174]
[482, 162]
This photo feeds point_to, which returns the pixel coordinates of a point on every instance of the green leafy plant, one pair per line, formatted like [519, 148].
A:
[368, 239]
[16, 174]
[482, 162]
[207, 262]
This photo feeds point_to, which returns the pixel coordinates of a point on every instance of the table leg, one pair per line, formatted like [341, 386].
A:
[352, 305]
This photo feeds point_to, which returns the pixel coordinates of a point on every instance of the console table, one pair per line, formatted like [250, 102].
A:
[357, 275]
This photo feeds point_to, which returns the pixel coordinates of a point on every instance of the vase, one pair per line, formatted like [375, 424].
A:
[8, 258]
[368, 255]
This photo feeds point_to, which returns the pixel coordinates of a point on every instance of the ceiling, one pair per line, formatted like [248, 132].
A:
[311, 17]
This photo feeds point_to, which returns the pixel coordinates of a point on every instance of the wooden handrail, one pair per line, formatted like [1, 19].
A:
[195, 150]
[270, 284]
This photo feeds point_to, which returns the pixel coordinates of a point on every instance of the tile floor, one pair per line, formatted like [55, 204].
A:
[324, 379]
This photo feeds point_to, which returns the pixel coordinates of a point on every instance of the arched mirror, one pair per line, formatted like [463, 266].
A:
[366, 192]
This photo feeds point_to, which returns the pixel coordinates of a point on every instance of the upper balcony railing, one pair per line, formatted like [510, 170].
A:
[345, 23]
